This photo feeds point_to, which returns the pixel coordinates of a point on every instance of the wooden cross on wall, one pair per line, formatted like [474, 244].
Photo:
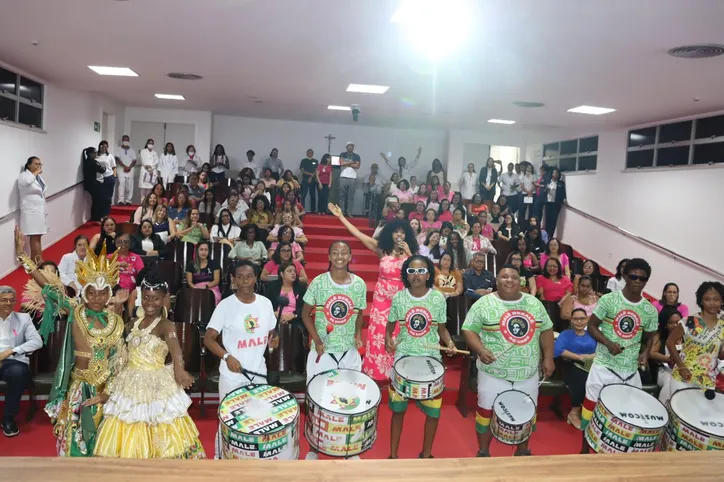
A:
[329, 138]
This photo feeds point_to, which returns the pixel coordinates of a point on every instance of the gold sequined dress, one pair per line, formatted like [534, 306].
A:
[146, 416]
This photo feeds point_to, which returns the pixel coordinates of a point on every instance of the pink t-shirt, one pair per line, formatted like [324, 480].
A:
[441, 194]
[445, 217]
[563, 258]
[127, 275]
[426, 225]
[417, 199]
[488, 231]
[682, 308]
[324, 173]
[291, 308]
[416, 215]
[554, 290]
[273, 269]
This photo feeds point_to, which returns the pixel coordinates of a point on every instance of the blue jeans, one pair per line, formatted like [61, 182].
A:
[109, 185]
[323, 197]
[217, 176]
[17, 375]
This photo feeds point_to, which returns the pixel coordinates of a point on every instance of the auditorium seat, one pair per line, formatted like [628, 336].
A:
[127, 228]
[207, 219]
[181, 252]
[190, 341]
[194, 306]
[44, 362]
[172, 272]
[220, 253]
[287, 364]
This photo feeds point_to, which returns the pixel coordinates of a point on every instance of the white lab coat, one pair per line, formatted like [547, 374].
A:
[168, 168]
[33, 215]
[148, 159]
[192, 165]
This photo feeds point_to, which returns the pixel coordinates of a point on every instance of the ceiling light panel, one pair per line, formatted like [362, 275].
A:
[114, 71]
[367, 89]
[170, 96]
[339, 107]
[501, 121]
[591, 110]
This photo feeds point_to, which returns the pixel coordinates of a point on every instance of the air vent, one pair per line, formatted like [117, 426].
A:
[184, 76]
[528, 104]
[702, 51]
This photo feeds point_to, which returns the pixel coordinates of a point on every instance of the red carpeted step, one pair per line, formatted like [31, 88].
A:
[316, 228]
[122, 214]
[360, 222]
[324, 241]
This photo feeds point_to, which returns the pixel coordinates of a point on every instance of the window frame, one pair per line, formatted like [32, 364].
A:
[555, 161]
[19, 100]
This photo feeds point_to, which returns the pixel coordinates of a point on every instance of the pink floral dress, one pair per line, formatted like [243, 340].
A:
[377, 362]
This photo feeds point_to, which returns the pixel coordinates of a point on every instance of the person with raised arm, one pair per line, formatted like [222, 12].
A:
[395, 244]
[402, 165]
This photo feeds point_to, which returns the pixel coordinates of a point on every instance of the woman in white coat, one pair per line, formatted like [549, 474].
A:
[168, 165]
[149, 169]
[33, 216]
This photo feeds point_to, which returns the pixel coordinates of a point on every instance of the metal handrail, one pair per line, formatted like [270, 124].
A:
[52, 196]
[645, 241]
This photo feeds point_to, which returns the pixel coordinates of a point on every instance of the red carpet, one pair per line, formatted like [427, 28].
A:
[455, 436]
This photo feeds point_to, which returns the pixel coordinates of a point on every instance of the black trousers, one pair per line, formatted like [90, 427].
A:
[107, 188]
[97, 201]
[323, 198]
[17, 375]
[311, 188]
[552, 212]
[575, 379]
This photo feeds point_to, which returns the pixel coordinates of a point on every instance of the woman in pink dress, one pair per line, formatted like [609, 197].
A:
[395, 244]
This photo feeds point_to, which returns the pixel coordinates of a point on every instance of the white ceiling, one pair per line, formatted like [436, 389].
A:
[289, 59]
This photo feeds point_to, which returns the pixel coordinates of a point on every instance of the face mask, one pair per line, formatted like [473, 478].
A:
[150, 147]
[191, 153]
[125, 143]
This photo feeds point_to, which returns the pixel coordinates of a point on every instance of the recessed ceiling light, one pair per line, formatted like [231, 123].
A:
[367, 89]
[170, 96]
[184, 76]
[500, 121]
[117, 71]
[527, 104]
[339, 107]
[589, 109]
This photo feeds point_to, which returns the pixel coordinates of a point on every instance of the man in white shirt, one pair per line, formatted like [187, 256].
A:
[252, 164]
[509, 185]
[18, 339]
[66, 267]
[350, 162]
[248, 324]
[126, 160]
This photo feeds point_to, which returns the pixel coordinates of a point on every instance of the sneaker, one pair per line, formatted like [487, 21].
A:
[522, 453]
[483, 453]
[10, 428]
[311, 456]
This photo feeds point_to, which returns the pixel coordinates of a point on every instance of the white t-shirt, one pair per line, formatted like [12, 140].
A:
[108, 162]
[616, 284]
[509, 183]
[245, 328]
[232, 232]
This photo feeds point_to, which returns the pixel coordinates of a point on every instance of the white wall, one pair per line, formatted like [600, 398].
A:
[68, 122]
[200, 119]
[239, 134]
[677, 209]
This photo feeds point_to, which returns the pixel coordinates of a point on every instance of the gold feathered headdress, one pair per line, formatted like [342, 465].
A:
[98, 271]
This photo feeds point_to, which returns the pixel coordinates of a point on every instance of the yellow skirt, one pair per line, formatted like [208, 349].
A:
[176, 440]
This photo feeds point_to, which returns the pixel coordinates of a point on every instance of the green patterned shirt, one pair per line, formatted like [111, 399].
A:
[418, 319]
[511, 330]
[336, 306]
[623, 322]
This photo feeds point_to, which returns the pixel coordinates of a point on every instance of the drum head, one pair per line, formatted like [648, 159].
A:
[345, 392]
[258, 409]
[634, 406]
[514, 407]
[692, 407]
[421, 369]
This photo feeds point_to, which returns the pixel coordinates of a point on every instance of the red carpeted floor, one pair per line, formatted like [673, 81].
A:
[456, 434]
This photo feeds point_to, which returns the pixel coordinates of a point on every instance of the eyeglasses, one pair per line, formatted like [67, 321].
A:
[635, 277]
[122, 241]
[285, 250]
[416, 270]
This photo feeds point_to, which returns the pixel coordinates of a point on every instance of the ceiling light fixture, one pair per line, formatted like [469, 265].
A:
[591, 110]
[434, 27]
[170, 96]
[115, 71]
[501, 121]
[339, 107]
[367, 89]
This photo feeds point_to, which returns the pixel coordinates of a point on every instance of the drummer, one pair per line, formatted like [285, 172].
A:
[338, 299]
[703, 336]
[623, 323]
[507, 330]
[417, 309]
[247, 323]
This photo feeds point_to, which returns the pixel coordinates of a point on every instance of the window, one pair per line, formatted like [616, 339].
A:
[572, 155]
[21, 100]
[686, 143]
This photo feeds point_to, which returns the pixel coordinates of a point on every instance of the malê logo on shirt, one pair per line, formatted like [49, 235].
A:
[626, 324]
[251, 323]
[338, 309]
[517, 327]
[418, 321]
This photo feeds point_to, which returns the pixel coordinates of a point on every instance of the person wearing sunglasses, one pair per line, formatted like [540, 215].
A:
[420, 312]
[623, 323]
[510, 333]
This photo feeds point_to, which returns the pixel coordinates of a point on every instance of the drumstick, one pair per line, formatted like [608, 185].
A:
[443, 348]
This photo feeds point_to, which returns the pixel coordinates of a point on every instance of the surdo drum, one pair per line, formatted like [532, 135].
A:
[342, 412]
[696, 423]
[259, 422]
[513, 417]
[418, 377]
[626, 419]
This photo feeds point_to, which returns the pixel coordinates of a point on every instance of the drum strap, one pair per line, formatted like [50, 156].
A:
[335, 358]
[624, 380]
[247, 374]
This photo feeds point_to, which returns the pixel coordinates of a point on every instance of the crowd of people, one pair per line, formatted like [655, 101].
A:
[433, 243]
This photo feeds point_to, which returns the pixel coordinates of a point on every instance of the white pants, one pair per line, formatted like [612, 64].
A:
[124, 188]
[225, 386]
[350, 360]
[600, 376]
[490, 387]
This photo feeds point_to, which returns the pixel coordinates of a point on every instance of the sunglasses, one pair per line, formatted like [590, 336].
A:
[635, 277]
[416, 270]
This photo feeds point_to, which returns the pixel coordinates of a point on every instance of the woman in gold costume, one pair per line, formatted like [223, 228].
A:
[93, 349]
[146, 415]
